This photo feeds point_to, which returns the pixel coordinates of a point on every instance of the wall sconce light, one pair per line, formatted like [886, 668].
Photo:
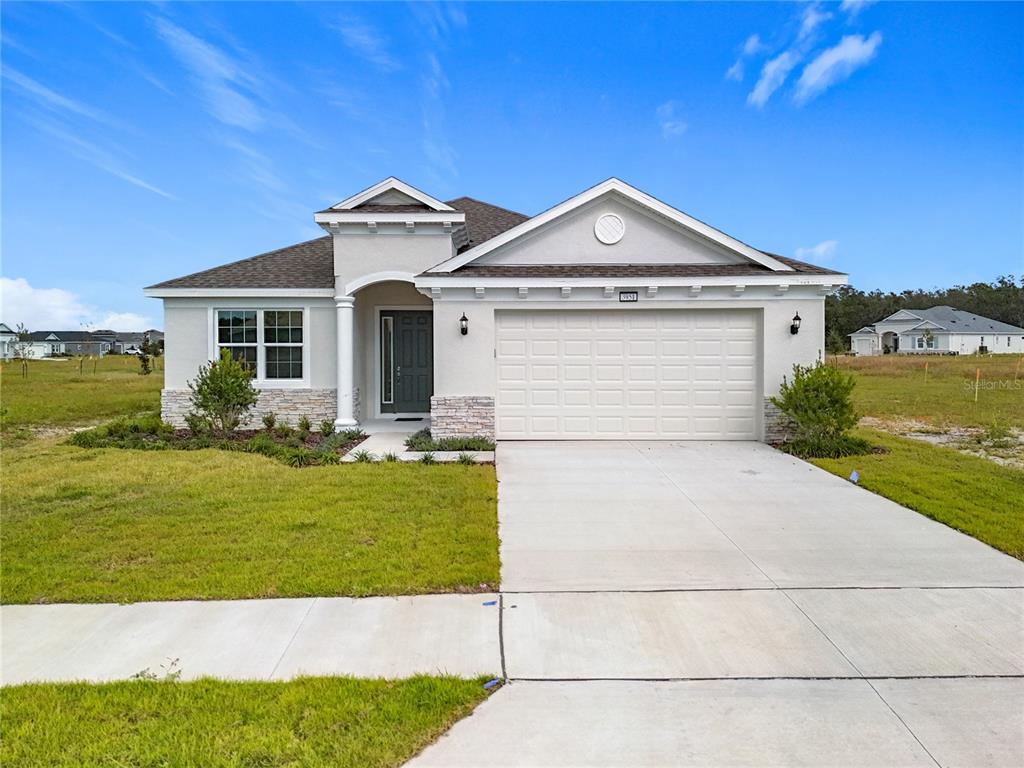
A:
[795, 327]
[464, 324]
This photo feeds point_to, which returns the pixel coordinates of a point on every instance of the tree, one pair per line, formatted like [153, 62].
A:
[23, 347]
[222, 392]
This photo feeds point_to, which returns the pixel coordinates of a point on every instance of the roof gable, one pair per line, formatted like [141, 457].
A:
[390, 192]
[617, 189]
[903, 314]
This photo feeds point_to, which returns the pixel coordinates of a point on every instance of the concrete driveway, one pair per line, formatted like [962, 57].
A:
[724, 604]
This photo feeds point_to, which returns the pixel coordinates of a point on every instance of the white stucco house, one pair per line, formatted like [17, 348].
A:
[937, 330]
[610, 315]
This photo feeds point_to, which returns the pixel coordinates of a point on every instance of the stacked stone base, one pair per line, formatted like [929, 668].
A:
[289, 405]
[461, 416]
[777, 425]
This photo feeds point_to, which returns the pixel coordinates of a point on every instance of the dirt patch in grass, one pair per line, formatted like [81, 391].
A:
[1001, 446]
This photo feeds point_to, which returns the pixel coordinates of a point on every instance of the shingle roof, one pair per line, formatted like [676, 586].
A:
[959, 321]
[64, 336]
[305, 265]
[311, 264]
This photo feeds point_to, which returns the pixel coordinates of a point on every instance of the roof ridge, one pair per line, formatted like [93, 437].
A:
[490, 205]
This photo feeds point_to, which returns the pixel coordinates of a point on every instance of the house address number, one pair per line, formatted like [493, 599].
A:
[628, 295]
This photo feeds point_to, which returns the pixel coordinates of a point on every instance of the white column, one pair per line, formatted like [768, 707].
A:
[344, 308]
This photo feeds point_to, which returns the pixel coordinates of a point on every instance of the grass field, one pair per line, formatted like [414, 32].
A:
[311, 722]
[896, 386]
[56, 394]
[970, 494]
[113, 525]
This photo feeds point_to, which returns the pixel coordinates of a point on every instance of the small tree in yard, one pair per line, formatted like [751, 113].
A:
[223, 392]
[148, 351]
[818, 402]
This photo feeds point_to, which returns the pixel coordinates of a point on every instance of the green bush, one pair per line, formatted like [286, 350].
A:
[197, 425]
[818, 402]
[424, 441]
[269, 420]
[428, 458]
[299, 457]
[304, 425]
[326, 427]
[223, 392]
[363, 457]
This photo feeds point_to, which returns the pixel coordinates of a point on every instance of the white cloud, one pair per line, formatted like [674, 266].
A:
[670, 122]
[53, 101]
[735, 72]
[773, 75]
[220, 77]
[365, 42]
[57, 309]
[853, 7]
[836, 64]
[812, 18]
[822, 252]
[753, 45]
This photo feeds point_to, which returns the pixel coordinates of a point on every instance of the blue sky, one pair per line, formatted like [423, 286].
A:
[144, 141]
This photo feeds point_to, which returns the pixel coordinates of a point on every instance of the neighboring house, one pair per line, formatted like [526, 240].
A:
[54, 343]
[610, 315]
[132, 342]
[938, 330]
[8, 339]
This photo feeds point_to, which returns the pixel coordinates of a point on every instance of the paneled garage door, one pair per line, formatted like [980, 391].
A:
[654, 374]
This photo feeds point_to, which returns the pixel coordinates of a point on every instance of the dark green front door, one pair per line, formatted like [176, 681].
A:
[407, 360]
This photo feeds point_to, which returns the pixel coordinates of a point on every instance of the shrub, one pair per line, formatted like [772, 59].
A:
[424, 441]
[269, 420]
[389, 457]
[348, 435]
[299, 457]
[428, 458]
[329, 457]
[263, 444]
[818, 402]
[466, 458]
[326, 428]
[197, 425]
[363, 457]
[142, 432]
[223, 392]
[283, 431]
[304, 425]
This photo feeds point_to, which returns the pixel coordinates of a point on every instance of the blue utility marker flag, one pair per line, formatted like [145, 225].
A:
[854, 476]
[491, 602]
[491, 683]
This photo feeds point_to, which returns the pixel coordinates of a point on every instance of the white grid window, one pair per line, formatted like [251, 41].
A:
[268, 342]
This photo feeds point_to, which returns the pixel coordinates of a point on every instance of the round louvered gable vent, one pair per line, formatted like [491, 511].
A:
[609, 229]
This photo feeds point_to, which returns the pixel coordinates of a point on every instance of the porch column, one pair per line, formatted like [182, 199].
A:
[344, 308]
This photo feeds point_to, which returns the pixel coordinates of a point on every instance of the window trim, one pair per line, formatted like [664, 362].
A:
[260, 381]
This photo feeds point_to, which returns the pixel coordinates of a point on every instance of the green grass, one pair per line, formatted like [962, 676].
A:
[972, 495]
[107, 524]
[307, 722]
[55, 394]
[895, 385]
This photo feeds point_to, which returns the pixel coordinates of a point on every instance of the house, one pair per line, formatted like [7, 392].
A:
[938, 330]
[129, 343]
[8, 340]
[610, 315]
[54, 343]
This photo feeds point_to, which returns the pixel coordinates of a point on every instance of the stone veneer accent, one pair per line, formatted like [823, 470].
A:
[777, 425]
[289, 405]
[461, 416]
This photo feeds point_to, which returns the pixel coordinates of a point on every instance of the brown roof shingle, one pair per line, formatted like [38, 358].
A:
[484, 221]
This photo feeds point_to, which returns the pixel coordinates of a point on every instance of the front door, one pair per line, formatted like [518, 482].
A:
[407, 360]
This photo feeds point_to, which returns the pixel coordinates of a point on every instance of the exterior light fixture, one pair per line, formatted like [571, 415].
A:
[794, 328]
[464, 324]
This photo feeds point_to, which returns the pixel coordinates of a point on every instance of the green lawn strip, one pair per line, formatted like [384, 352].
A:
[309, 722]
[112, 525]
[898, 386]
[56, 394]
[972, 495]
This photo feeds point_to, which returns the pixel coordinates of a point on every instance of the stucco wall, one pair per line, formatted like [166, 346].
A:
[188, 329]
[358, 255]
[464, 365]
[647, 240]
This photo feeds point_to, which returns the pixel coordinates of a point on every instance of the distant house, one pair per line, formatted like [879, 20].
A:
[938, 330]
[8, 339]
[129, 343]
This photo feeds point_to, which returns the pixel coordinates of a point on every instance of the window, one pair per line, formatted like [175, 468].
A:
[236, 332]
[387, 353]
[268, 342]
[282, 335]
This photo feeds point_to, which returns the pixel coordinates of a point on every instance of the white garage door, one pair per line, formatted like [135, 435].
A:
[654, 374]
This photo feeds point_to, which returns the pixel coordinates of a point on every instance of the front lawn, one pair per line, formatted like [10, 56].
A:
[970, 494]
[114, 525]
[59, 393]
[897, 386]
[309, 722]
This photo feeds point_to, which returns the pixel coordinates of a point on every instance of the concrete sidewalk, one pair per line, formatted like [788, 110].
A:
[252, 639]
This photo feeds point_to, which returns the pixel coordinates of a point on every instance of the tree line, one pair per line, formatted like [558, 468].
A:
[849, 309]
